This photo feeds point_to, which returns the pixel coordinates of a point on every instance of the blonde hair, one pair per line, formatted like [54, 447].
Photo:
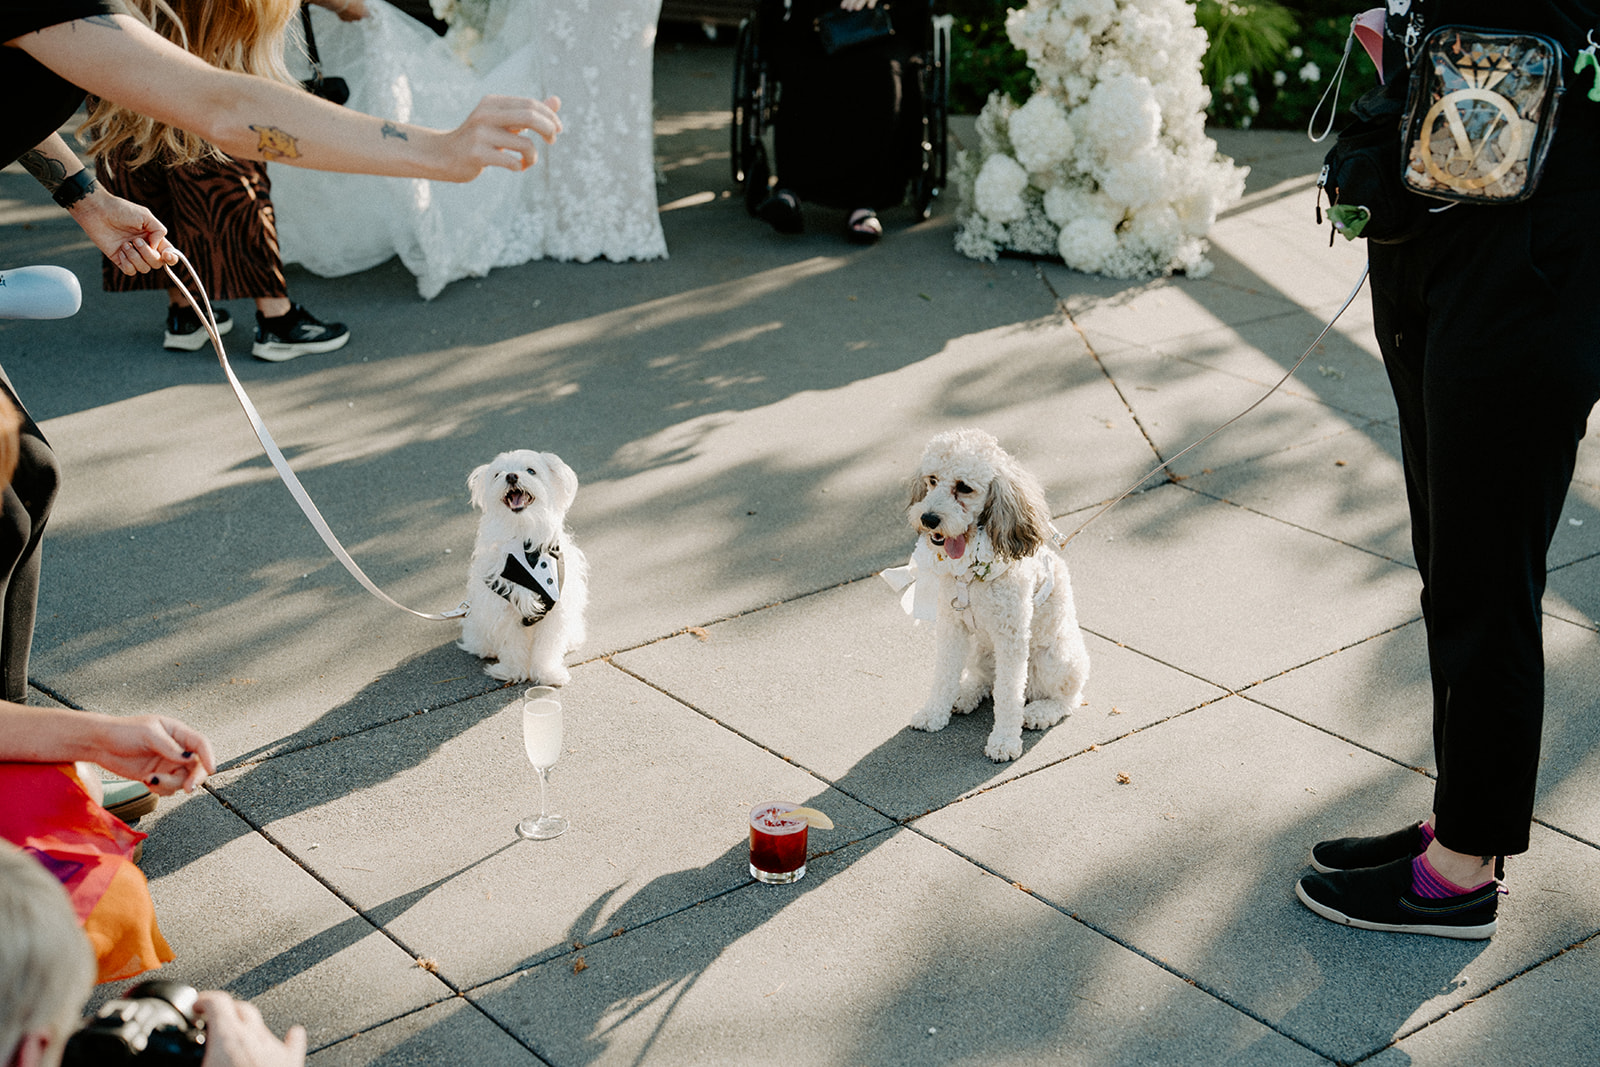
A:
[46, 965]
[244, 36]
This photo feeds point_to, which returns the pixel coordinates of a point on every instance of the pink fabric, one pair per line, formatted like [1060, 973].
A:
[1368, 28]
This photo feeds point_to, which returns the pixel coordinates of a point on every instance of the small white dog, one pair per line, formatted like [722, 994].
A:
[1006, 623]
[528, 583]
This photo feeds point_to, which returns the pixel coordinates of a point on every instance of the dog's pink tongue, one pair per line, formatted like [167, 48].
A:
[955, 547]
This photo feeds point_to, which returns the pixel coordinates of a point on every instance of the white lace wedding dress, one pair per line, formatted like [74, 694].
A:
[592, 194]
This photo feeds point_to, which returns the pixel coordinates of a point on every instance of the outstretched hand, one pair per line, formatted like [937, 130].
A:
[493, 135]
[164, 754]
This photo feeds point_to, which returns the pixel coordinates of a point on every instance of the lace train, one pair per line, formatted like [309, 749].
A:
[592, 194]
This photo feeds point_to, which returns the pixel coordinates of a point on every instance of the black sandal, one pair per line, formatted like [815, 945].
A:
[864, 227]
[781, 211]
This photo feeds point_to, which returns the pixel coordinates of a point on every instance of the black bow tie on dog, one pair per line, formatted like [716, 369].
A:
[535, 569]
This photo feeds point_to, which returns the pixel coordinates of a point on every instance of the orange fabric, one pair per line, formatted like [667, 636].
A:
[45, 809]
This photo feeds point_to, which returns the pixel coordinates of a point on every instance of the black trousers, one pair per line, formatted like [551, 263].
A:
[1489, 325]
[24, 510]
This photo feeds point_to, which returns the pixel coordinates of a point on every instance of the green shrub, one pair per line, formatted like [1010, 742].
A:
[1268, 64]
[982, 58]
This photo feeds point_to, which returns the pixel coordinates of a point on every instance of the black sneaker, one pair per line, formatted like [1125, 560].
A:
[184, 332]
[1354, 853]
[1380, 898]
[296, 333]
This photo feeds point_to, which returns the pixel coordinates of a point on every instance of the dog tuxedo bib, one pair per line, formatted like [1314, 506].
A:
[535, 568]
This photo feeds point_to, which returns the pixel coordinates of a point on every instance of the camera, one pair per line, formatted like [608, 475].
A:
[152, 1023]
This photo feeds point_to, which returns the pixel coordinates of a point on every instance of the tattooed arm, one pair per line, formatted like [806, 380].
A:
[130, 236]
[117, 57]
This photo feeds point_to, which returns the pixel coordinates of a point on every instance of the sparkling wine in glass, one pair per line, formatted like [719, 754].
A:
[541, 737]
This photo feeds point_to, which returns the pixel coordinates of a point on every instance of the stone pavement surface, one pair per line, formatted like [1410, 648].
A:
[744, 417]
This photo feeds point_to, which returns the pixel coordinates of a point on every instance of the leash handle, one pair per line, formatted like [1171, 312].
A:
[1061, 542]
[279, 463]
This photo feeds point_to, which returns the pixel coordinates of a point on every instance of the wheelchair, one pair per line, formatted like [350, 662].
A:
[758, 95]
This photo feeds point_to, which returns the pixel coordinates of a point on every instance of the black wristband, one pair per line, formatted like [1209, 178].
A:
[73, 189]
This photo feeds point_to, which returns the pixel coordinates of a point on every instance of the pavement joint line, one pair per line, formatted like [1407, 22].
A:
[1066, 313]
[1228, 690]
[1292, 525]
[642, 680]
[256, 758]
[1507, 980]
[329, 886]
[1109, 936]
[1341, 738]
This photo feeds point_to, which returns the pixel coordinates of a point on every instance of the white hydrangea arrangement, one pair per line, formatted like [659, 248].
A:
[1107, 163]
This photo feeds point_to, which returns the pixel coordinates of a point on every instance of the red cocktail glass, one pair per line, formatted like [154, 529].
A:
[777, 843]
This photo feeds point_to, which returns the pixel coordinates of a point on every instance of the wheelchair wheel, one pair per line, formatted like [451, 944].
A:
[750, 106]
[929, 180]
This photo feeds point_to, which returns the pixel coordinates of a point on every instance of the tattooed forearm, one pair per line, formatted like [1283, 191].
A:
[391, 130]
[49, 172]
[275, 143]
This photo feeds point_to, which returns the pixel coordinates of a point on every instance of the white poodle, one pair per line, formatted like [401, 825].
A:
[1006, 623]
[528, 583]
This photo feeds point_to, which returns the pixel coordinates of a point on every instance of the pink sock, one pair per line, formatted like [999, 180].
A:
[1427, 833]
[1431, 885]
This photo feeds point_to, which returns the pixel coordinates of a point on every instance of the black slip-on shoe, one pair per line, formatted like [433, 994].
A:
[1380, 898]
[184, 332]
[1354, 853]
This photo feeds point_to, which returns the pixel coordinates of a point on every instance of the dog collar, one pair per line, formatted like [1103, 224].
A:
[539, 569]
[920, 600]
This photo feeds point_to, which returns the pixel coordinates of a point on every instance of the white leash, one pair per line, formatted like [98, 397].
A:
[1061, 542]
[279, 463]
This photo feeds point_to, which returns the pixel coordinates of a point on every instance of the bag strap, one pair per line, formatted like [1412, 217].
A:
[311, 43]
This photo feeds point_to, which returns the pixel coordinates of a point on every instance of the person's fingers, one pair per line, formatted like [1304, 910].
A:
[295, 1041]
[193, 743]
[216, 1004]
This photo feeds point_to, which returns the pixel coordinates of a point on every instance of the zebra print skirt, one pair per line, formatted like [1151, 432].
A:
[217, 212]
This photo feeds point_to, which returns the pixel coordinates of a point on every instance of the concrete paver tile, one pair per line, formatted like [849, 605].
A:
[452, 1032]
[243, 917]
[1178, 401]
[892, 952]
[1193, 861]
[414, 821]
[1228, 595]
[1349, 486]
[1546, 1016]
[832, 680]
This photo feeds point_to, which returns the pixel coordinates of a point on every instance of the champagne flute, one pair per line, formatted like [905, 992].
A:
[541, 737]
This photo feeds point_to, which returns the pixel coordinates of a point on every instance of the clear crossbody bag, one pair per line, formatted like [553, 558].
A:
[1481, 114]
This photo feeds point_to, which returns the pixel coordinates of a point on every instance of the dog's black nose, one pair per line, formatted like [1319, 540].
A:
[511, 477]
[930, 521]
